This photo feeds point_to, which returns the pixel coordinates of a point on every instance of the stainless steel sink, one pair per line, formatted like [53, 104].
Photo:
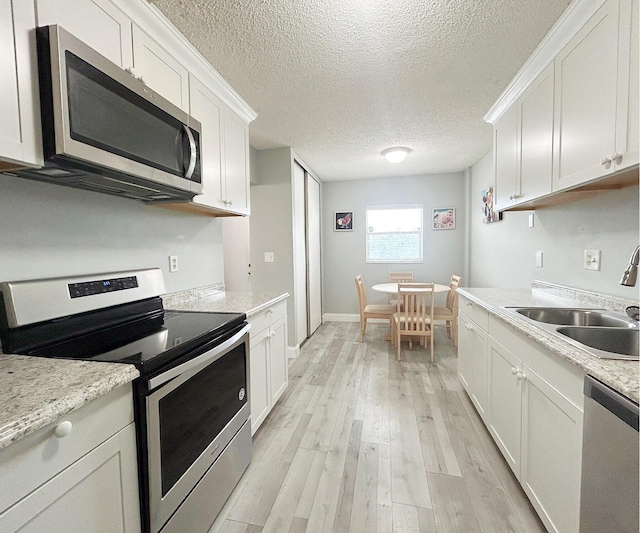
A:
[604, 334]
[575, 317]
[623, 341]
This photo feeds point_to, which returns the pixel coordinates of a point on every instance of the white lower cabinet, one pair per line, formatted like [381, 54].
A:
[533, 410]
[86, 480]
[472, 361]
[268, 366]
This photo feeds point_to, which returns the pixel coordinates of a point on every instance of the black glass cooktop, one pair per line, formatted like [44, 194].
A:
[150, 342]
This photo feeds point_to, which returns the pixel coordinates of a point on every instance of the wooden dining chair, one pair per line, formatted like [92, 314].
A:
[384, 311]
[449, 313]
[414, 317]
[405, 276]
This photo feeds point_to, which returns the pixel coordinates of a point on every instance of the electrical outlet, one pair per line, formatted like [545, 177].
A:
[269, 257]
[173, 263]
[591, 260]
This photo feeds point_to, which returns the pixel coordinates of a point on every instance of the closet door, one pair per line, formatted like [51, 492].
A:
[299, 255]
[314, 283]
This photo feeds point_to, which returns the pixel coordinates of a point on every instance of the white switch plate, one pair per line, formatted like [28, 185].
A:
[539, 258]
[531, 220]
[173, 263]
[591, 260]
[269, 257]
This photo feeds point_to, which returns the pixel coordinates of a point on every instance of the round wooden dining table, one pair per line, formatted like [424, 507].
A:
[392, 288]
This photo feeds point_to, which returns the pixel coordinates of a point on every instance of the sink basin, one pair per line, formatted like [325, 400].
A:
[575, 317]
[622, 341]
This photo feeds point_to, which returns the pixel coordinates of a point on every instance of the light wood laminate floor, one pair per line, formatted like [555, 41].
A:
[360, 442]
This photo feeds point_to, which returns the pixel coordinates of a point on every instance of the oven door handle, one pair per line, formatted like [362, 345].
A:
[203, 359]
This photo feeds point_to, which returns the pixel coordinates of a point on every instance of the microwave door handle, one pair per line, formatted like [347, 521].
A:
[192, 151]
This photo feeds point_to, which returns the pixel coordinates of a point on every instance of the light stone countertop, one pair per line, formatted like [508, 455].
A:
[623, 376]
[37, 391]
[249, 303]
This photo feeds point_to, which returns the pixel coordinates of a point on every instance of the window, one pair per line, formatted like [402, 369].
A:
[394, 234]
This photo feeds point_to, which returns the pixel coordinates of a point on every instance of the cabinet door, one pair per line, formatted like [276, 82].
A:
[207, 108]
[259, 379]
[278, 364]
[20, 137]
[236, 163]
[465, 351]
[551, 453]
[506, 158]
[536, 138]
[99, 493]
[160, 70]
[505, 400]
[479, 363]
[98, 23]
[585, 99]
[627, 138]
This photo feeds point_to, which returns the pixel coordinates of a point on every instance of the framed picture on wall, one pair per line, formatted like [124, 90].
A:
[343, 221]
[444, 218]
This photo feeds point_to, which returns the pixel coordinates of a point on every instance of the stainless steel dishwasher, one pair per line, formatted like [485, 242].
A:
[609, 496]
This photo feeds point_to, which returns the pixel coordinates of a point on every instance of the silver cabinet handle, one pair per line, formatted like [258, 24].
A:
[63, 429]
[193, 150]
[514, 370]
[468, 326]
[605, 161]
[616, 157]
[520, 376]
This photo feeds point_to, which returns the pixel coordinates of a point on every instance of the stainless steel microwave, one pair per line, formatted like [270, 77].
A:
[106, 131]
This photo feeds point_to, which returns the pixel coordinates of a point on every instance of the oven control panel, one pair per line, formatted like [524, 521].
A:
[89, 288]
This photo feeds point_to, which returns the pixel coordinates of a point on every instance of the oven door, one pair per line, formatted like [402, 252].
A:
[193, 411]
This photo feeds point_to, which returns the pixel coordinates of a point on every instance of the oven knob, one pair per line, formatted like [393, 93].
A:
[63, 429]
[241, 394]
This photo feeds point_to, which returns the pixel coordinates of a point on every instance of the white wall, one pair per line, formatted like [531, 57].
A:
[344, 252]
[503, 254]
[48, 230]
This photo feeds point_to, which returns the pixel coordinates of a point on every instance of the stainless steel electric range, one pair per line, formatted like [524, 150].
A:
[191, 402]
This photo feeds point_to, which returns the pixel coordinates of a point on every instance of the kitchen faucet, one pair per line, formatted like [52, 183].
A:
[631, 273]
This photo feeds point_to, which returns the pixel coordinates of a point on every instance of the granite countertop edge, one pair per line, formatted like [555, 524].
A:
[249, 303]
[621, 375]
[23, 412]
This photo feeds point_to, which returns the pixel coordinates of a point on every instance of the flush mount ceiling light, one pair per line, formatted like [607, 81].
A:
[395, 154]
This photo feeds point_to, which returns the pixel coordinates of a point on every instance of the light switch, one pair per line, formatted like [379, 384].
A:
[269, 257]
[531, 220]
[539, 258]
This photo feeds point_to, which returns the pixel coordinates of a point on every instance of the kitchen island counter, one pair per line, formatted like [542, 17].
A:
[621, 375]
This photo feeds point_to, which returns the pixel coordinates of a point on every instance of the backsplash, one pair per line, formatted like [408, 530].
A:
[595, 299]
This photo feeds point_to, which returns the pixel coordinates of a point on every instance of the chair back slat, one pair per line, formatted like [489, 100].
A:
[415, 306]
[362, 295]
[401, 276]
[452, 295]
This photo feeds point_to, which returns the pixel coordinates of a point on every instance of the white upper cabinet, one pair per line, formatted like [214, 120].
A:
[207, 108]
[225, 154]
[160, 70]
[586, 87]
[576, 122]
[98, 23]
[20, 134]
[236, 163]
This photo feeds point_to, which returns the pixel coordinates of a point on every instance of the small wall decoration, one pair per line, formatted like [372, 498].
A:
[343, 221]
[444, 218]
[488, 214]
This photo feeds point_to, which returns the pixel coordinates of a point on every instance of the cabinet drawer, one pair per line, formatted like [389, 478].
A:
[267, 317]
[475, 312]
[38, 457]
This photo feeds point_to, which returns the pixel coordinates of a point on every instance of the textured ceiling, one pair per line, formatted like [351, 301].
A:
[341, 80]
